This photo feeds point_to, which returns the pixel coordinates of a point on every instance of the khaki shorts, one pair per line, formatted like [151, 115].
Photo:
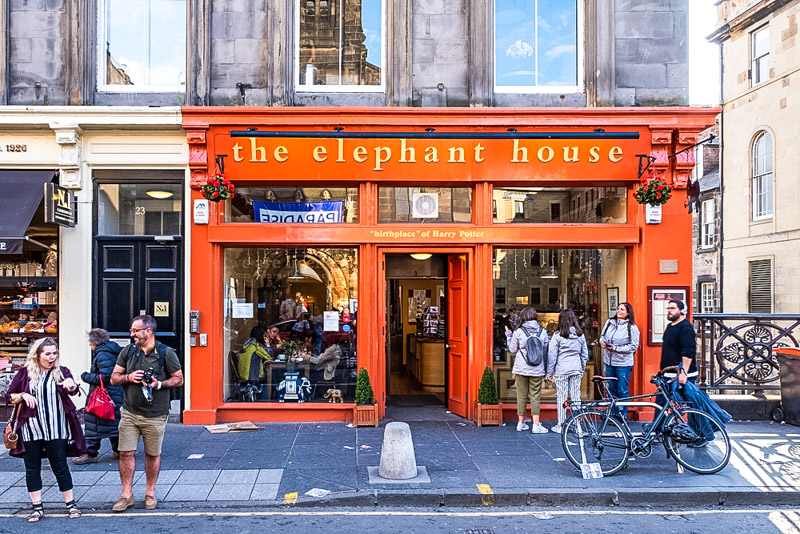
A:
[151, 429]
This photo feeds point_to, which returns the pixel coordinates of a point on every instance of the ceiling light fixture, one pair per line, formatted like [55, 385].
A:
[421, 255]
[160, 195]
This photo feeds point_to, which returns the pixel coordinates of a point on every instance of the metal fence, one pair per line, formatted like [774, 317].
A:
[737, 351]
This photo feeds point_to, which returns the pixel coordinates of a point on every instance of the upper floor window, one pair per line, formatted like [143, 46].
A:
[707, 220]
[340, 45]
[707, 297]
[141, 45]
[760, 286]
[762, 177]
[538, 45]
[760, 47]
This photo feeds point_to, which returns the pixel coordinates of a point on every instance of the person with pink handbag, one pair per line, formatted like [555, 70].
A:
[48, 423]
[104, 357]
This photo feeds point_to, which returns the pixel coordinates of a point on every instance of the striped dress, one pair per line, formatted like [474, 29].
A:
[50, 422]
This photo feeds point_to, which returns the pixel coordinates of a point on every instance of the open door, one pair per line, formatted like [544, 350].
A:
[458, 335]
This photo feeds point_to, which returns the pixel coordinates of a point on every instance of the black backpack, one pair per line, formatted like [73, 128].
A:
[535, 349]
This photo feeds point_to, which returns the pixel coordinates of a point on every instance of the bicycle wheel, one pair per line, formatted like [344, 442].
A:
[709, 452]
[588, 437]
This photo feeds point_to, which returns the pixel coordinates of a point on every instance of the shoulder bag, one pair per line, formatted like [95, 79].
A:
[10, 435]
[100, 403]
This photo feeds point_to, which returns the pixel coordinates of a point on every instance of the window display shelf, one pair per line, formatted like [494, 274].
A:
[32, 334]
[30, 282]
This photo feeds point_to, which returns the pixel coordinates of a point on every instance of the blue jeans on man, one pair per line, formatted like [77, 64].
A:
[619, 387]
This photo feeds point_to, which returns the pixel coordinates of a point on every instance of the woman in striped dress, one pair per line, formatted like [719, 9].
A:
[48, 422]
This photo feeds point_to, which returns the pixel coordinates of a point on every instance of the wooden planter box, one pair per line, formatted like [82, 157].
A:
[365, 415]
[488, 414]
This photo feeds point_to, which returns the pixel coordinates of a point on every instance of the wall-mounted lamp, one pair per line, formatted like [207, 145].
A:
[421, 256]
[160, 195]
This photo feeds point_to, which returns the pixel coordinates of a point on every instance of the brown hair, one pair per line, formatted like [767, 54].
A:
[567, 320]
[528, 314]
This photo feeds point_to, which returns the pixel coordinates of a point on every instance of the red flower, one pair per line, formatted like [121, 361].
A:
[231, 186]
[658, 195]
[660, 187]
[216, 183]
[216, 194]
[232, 195]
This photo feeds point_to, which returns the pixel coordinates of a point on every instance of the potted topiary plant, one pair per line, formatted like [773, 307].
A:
[365, 412]
[487, 410]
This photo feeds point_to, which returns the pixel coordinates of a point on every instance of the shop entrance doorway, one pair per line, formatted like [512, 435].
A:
[426, 336]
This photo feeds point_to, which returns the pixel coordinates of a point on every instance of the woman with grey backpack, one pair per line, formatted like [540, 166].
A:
[529, 344]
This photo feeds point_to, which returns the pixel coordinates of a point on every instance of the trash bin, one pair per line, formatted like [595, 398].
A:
[790, 384]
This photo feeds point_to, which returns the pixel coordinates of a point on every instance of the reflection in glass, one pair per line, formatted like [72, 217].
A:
[536, 43]
[294, 205]
[425, 204]
[341, 43]
[144, 43]
[290, 324]
[549, 280]
[559, 204]
[139, 209]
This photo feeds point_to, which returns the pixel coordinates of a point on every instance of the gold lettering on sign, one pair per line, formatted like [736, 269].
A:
[281, 153]
[594, 154]
[236, 148]
[360, 154]
[431, 154]
[379, 160]
[260, 150]
[320, 154]
[517, 151]
[453, 151]
[541, 154]
[404, 150]
[478, 150]
[615, 154]
[567, 158]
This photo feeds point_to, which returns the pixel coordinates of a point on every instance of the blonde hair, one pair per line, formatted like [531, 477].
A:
[33, 364]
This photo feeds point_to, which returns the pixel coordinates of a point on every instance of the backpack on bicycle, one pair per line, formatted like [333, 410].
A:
[535, 348]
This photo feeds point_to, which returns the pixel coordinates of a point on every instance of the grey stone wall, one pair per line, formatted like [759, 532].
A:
[37, 37]
[241, 52]
[651, 52]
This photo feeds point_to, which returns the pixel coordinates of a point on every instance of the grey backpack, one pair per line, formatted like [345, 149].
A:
[535, 349]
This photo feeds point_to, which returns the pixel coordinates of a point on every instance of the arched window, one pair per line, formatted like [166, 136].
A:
[762, 177]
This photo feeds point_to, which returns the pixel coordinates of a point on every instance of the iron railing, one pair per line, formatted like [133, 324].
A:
[737, 351]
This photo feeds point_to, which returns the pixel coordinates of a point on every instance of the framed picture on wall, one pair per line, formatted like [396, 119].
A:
[613, 300]
[658, 298]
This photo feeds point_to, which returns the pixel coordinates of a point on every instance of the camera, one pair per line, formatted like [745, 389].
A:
[147, 391]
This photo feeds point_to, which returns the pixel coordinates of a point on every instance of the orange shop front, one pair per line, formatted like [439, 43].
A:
[403, 240]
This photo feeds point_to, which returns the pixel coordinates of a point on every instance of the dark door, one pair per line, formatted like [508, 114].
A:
[136, 276]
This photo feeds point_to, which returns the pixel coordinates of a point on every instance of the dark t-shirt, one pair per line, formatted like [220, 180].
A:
[133, 359]
[679, 342]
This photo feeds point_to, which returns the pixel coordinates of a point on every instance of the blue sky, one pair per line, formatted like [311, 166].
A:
[703, 56]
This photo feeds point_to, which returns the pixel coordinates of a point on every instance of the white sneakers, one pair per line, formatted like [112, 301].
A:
[521, 427]
[539, 429]
[556, 429]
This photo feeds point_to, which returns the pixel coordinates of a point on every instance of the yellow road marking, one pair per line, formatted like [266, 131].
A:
[487, 495]
[290, 498]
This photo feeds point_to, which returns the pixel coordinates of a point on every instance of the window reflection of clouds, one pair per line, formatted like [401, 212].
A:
[127, 35]
[371, 22]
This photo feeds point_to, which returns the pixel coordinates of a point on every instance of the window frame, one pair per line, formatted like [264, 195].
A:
[305, 89]
[580, 57]
[755, 60]
[770, 266]
[757, 181]
[708, 224]
[705, 299]
[100, 59]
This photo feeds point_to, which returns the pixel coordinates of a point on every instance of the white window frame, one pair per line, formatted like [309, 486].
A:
[707, 297]
[339, 88]
[544, 89]
[101, 62]
[707, 223]
[754, 60]
[759, 181]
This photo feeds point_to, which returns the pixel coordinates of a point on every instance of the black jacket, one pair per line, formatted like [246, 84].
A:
[104, 358]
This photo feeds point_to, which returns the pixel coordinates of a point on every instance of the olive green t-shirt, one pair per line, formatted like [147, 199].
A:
[133, 359]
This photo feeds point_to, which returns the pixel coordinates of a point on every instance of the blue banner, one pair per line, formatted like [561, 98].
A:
[298, 212]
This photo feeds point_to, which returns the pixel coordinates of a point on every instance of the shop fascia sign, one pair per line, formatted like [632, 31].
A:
[608, 155]
[59, 205]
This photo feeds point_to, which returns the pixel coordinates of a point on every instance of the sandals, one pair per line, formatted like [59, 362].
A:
[73, 510]
[37, 512]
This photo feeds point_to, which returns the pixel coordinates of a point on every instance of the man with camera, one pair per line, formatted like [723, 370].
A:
[147, 369]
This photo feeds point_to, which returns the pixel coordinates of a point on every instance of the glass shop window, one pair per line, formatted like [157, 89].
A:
[560, 204]
[425, 205]
[341, 45]
[590, 282]
[291, 325]
[538, 45]
[141, 45]
[139, 209]
[293, 205]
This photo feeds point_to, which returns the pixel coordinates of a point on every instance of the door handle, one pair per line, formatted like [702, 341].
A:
[448, 346]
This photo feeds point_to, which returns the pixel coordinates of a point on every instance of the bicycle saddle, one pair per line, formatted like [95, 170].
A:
[597, 379]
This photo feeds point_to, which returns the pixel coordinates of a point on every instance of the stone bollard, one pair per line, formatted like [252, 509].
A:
[397, 456]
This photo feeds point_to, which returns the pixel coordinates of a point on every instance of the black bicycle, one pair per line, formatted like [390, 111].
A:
[593, 434]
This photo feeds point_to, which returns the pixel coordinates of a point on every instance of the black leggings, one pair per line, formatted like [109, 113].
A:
[54, 450]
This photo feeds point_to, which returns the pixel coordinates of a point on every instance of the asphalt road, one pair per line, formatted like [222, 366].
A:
[455, 521]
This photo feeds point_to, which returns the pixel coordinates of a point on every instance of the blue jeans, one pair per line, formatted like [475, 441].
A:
[619, 387]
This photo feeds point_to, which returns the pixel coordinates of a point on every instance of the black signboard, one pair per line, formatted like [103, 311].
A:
[11, 245]
[59, 205]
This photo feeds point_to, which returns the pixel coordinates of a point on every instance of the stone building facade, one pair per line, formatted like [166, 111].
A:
[760, 168]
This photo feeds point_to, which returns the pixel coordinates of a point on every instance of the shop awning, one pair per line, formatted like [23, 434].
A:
[21, 193]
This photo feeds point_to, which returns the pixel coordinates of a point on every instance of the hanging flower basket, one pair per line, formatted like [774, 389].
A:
[218, 188]
[653, 190]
